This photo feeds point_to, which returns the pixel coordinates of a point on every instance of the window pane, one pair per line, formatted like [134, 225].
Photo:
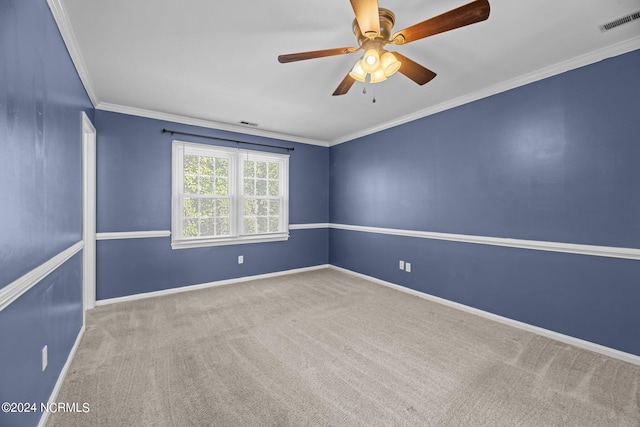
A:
[261, 169]
[249, 225]
[222, 186]
[206, 165]
[263, 207]
[222, 167]
[249, 187]
[190, 207]
[274, 171]
[274, 207]
[249, 169]
[222, 207]
[190, 164]
[261, 187]
[206, 207]
[206, 185]
[190, 228]
[250, 207]
[274, 224]
[274, 188]
[191, 184]
[263, 225]
[207, 227]
[222, 227]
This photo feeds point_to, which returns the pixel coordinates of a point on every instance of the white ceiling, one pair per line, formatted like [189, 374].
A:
[214, 63]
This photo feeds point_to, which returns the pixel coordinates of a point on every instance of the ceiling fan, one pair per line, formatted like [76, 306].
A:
[372, 28]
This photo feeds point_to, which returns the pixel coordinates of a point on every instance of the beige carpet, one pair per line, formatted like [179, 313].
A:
[325, 348]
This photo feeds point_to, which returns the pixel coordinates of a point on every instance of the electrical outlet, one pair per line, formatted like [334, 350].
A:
[44, 358]
[240, 259]
[401, 265]
[407, 267]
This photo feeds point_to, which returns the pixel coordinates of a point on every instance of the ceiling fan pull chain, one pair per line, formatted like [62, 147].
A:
[374, 97]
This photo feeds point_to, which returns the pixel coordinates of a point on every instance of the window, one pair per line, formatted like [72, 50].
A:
[226, 196]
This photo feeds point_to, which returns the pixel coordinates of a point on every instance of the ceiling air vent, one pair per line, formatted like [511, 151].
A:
[246, 123]
[623, 20]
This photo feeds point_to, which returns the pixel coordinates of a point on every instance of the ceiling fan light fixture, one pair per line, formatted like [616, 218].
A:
[371, 61]
[378, 76]
[389, 64]
[357, 72]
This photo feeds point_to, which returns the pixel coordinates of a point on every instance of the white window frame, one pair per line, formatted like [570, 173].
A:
[236, 158]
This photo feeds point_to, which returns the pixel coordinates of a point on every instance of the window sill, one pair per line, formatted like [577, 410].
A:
[202, 243]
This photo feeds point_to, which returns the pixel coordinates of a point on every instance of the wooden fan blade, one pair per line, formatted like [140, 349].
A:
[368, 17]
[468, 14]
[413, 70]
[344, 85]
[291, 57]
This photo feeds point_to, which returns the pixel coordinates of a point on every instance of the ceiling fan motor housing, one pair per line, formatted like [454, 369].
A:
[387, 19]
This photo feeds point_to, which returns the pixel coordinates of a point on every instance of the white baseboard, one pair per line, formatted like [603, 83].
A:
[207, 285]
[587, 345]
[63, 373]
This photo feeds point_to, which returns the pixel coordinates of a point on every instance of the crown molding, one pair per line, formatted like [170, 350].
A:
[175, 118]
[64, 26]
[66, 30]
[69, 38]
[559, 68]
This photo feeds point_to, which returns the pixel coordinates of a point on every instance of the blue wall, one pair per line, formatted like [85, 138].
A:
[41, 100]
[134, 194]
[555, 160]
[49, 313]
